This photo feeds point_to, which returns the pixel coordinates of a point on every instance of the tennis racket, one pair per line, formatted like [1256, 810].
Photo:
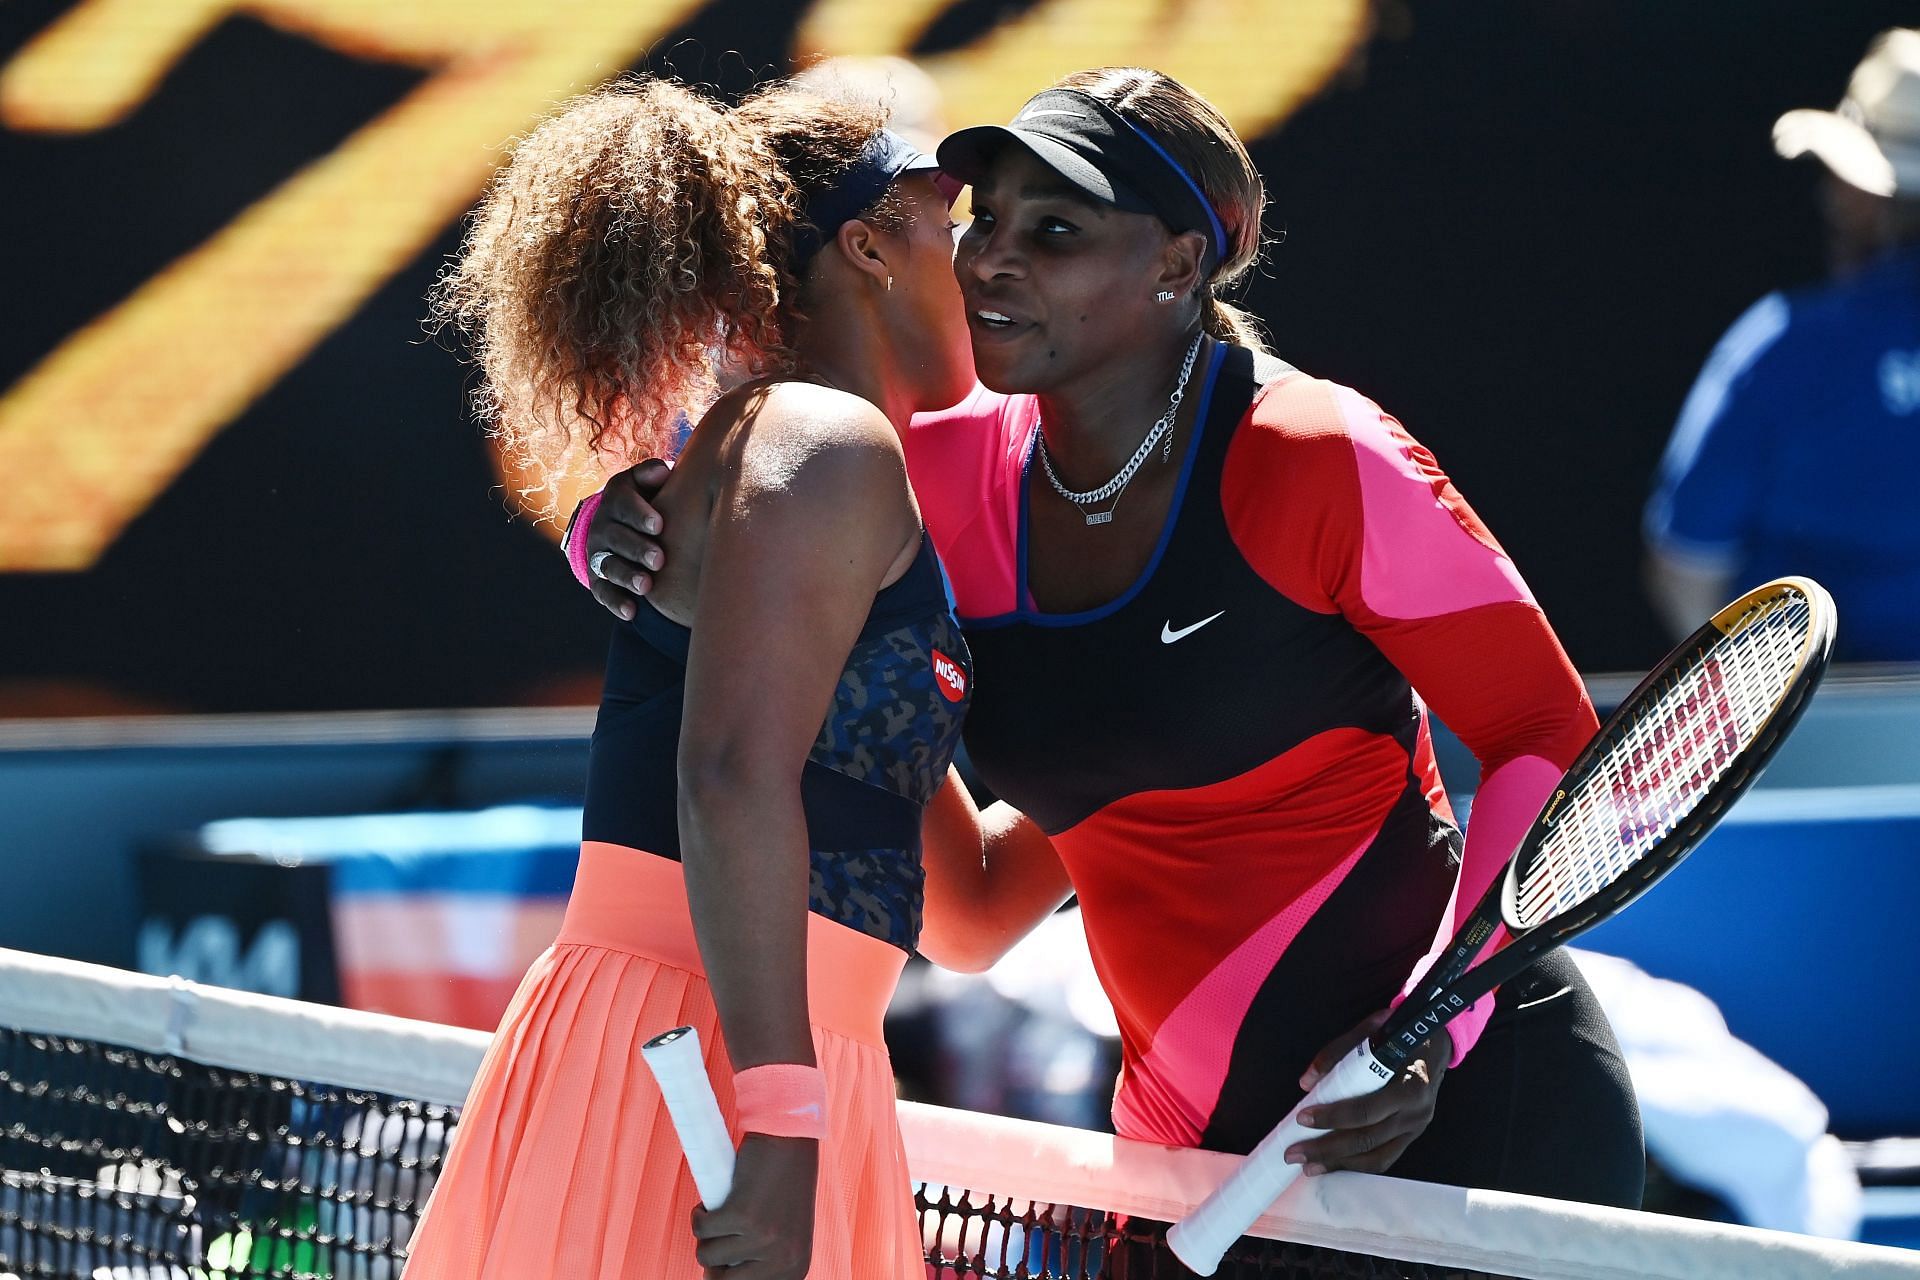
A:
[1687, 742]
[675, 1059]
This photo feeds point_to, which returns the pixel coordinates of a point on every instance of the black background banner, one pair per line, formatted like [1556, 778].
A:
[1518, 226]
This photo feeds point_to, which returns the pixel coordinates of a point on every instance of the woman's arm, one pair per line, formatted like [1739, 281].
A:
[812, 514]
[1477, 648]
[991, 878]
[1367, 525]
[1443, 602]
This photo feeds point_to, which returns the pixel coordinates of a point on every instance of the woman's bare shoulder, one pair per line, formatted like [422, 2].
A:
[801, 441]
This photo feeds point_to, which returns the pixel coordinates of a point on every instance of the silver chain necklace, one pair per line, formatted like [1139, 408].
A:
[1115, 487]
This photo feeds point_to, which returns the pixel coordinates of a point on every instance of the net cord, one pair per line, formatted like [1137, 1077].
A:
[1023, 1160]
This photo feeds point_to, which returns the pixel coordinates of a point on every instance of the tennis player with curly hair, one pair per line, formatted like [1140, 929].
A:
[776, 716]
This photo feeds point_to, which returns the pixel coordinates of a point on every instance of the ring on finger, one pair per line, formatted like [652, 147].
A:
[596, 563]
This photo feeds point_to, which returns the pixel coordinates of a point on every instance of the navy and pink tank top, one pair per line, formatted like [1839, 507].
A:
[881, 754]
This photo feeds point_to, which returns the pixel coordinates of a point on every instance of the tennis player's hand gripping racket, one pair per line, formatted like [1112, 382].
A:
[1686, 743]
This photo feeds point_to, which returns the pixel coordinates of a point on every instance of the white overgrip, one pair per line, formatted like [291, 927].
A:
[682, 1074]
[1204, 1236]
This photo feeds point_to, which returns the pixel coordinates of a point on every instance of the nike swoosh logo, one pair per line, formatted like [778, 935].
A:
[1168, 635]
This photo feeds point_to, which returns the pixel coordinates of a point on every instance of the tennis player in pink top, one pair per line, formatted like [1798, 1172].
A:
[1212, 603]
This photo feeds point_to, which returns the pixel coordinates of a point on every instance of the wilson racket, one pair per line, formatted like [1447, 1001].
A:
[1682, 747]
[675, 1059]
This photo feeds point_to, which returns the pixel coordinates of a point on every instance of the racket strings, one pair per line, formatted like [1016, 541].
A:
[1662, 760]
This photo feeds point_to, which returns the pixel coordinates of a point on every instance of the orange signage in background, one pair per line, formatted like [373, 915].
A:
[1256, 60]
[107, 420]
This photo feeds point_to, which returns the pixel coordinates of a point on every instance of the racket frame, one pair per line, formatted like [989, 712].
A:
[1455, 983]
[1202, 1238]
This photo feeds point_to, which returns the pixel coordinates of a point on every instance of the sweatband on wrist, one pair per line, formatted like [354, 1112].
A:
[1465, 1028]
[575, 540]
[782, 1100]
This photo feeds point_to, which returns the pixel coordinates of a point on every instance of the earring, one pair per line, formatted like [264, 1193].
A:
[1165, 295]
[889, 284]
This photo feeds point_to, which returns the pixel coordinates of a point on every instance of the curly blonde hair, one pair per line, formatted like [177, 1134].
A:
[637, 239]
[1195, 133]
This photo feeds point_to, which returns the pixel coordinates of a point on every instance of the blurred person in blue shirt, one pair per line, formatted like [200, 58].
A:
[1793, 451]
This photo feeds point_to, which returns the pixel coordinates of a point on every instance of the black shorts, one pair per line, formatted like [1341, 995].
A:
[1542, 1105]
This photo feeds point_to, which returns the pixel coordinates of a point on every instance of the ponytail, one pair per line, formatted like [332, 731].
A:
[1224, 322]
[1204, 145]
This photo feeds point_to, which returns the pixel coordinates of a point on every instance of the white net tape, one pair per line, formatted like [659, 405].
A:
[1473, 1231]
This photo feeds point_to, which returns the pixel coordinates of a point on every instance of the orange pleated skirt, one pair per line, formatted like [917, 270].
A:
[565, 1165]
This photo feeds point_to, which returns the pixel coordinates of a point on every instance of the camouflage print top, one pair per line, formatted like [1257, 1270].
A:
[881, 754]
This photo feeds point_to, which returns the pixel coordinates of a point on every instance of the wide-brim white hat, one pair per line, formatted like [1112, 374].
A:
[1873, 140]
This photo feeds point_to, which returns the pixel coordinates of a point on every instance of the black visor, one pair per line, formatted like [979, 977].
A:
[1099, 152]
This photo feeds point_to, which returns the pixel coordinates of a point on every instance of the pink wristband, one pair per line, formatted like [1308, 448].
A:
[577, 538]
[782, 1099]
[1464, 1031]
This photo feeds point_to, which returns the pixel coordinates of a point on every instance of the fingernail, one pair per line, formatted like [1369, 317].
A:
[638, 584]
[1311, 1119]
[626, 612]
[651, 524]
[1294, 1156]
[651, 559]
[1308, 1080]
[1314, 1170]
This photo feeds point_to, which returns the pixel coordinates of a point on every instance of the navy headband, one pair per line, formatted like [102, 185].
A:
[853, 191]
[1100, 152]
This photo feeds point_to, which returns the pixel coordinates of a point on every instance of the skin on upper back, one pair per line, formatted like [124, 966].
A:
[764, 435]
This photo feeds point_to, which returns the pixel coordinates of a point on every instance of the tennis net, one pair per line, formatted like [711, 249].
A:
[156, 1129]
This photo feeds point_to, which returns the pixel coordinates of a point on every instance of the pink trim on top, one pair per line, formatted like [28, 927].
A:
[1169, 1094]
[966, 465]
[577, 544]
[1509, 799]
[1418, 560]
[984, 566]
